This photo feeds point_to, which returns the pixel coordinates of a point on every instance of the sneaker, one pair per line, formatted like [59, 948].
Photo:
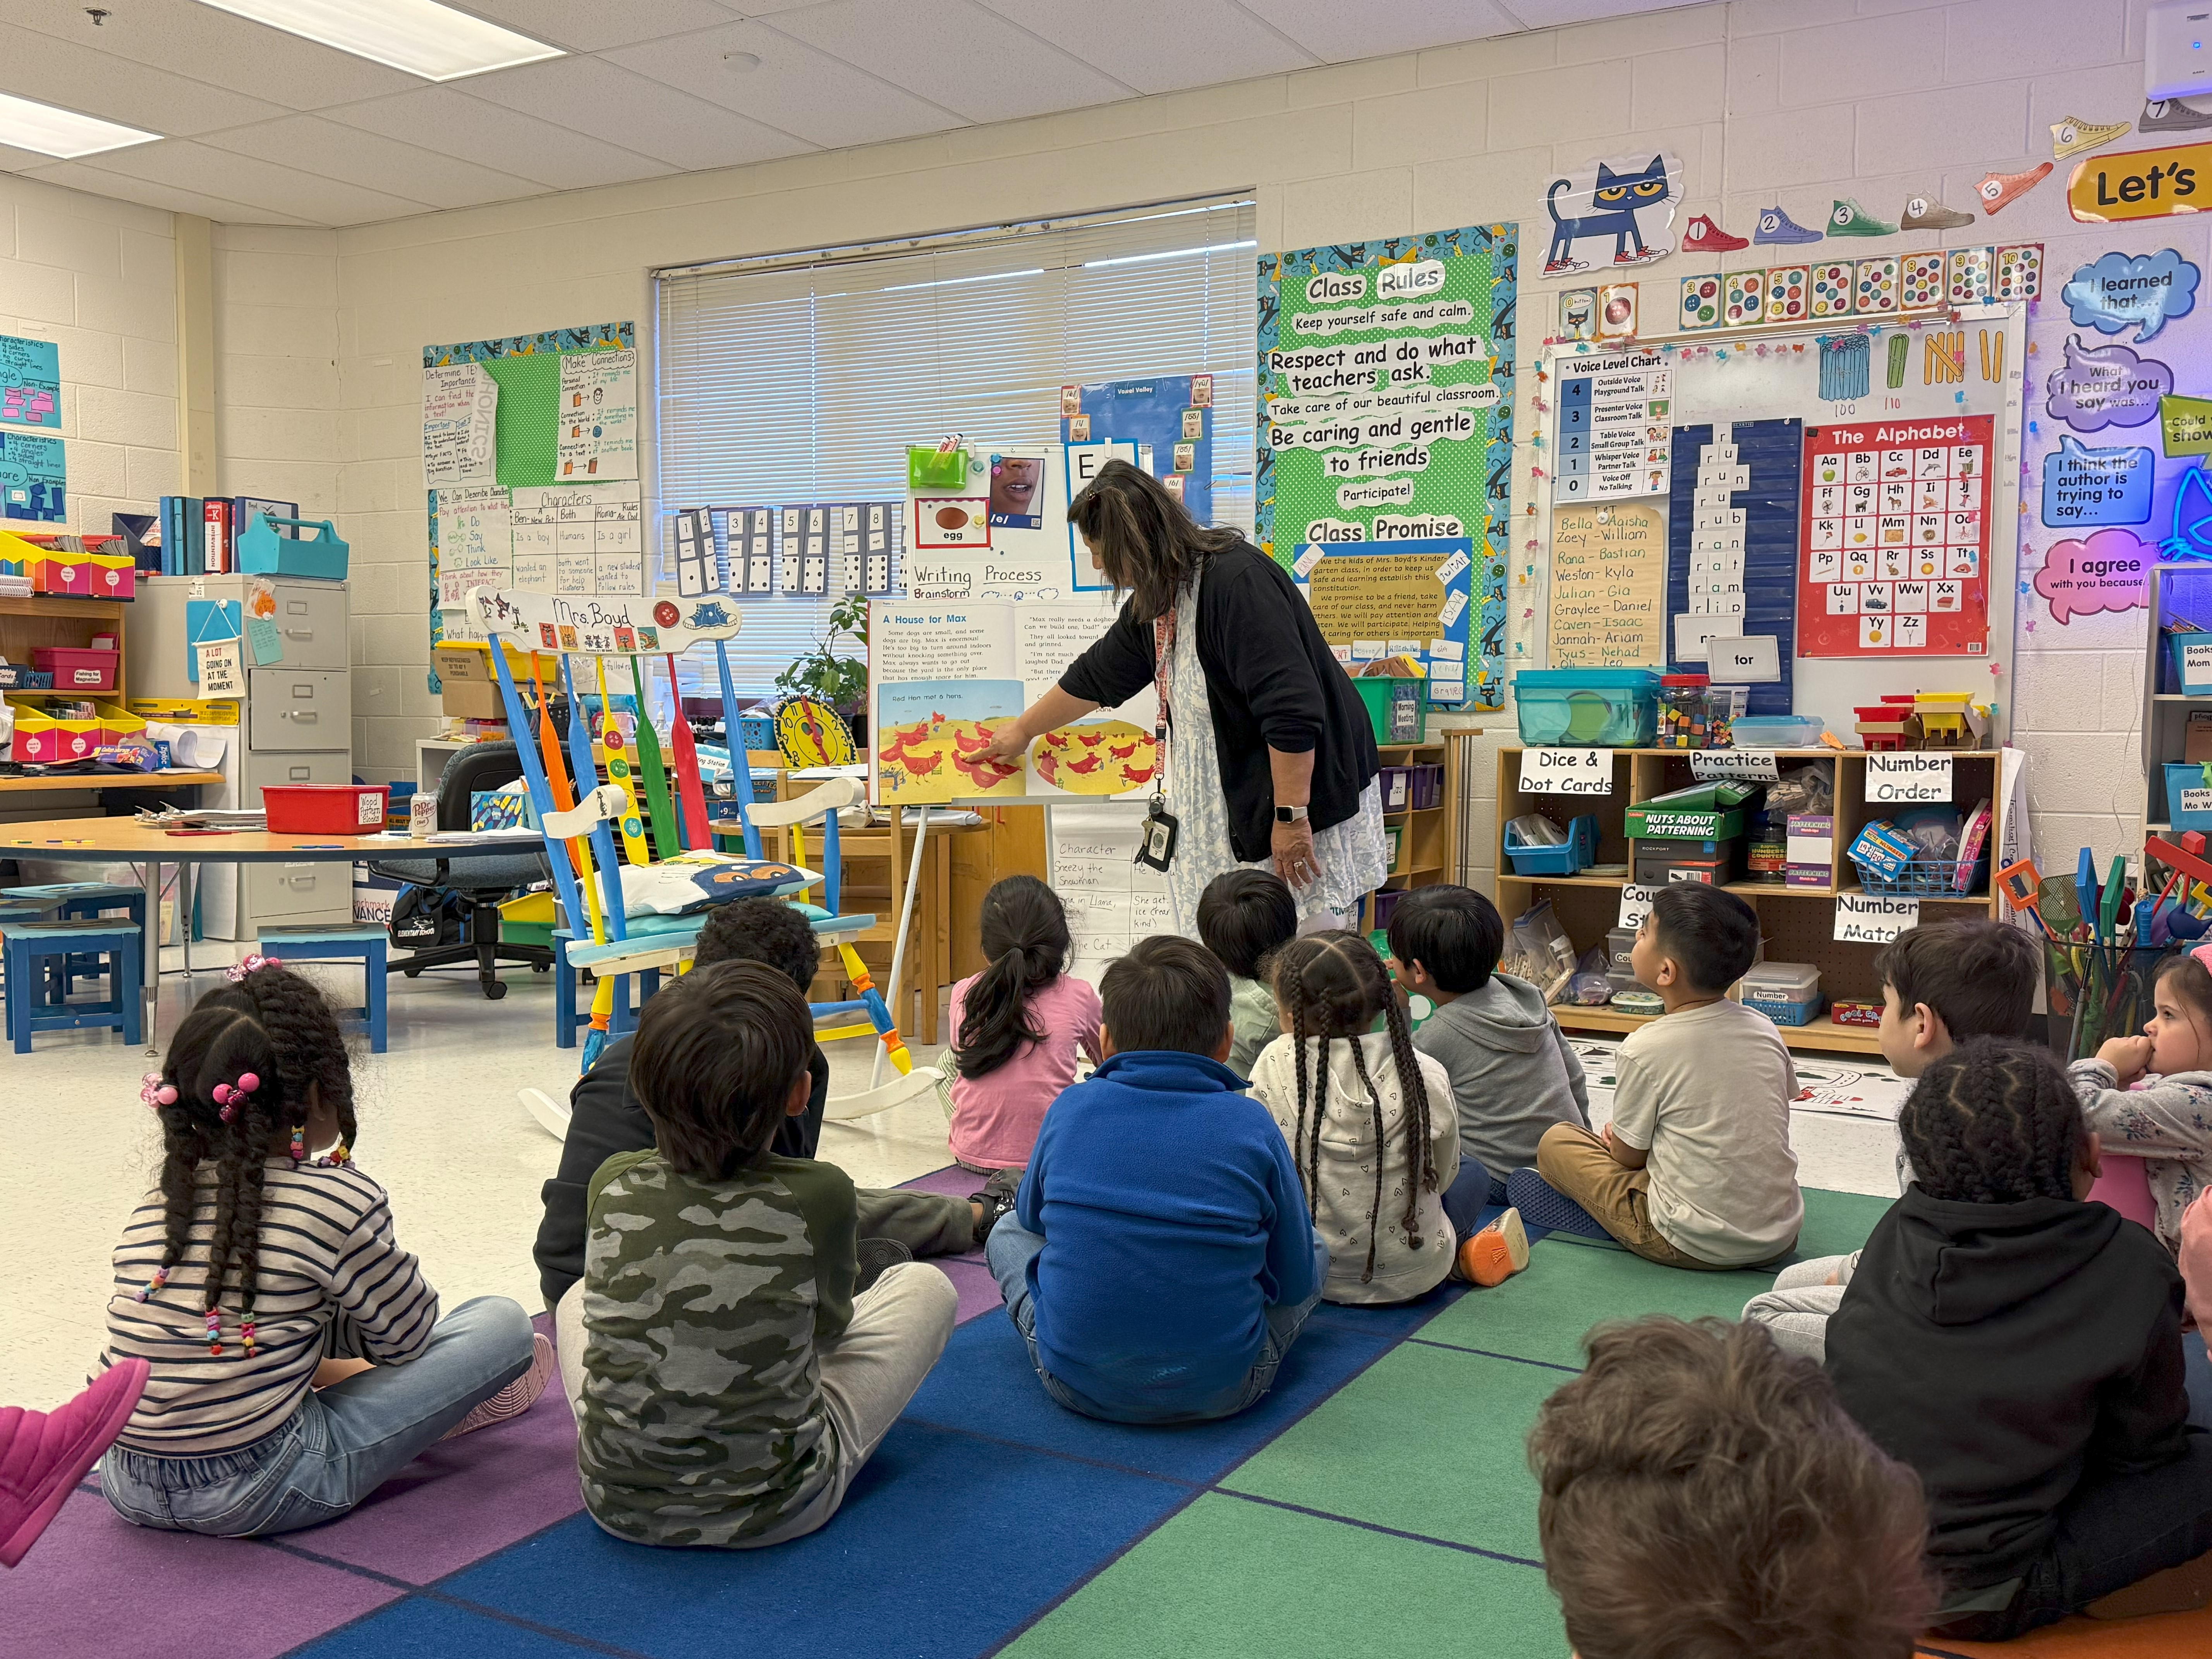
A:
[1704, 236]
[1543, 1206]
[1999, 190]
[516, 1398]
[1926, 213]
[873, 1255]
[1776, 226]
[2172, 115]
[1848, 218]
[43, 1454]
[1497, 1253]
[2073, 135]
[997, 1199]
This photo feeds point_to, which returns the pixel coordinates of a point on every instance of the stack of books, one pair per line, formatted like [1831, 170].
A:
[199, 536]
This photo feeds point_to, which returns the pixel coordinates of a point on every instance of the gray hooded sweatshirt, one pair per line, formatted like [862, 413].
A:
[1513, 1076]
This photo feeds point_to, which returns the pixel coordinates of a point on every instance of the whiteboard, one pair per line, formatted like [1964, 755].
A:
[1777, 376]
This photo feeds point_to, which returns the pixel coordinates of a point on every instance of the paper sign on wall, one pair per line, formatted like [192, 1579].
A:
[221, 675]
[460, 419]
[1742, 765]
[1608, 586]
[1874, 918]
[1636, 904]
[597, 438]
[1566, 771]
[1907, 776]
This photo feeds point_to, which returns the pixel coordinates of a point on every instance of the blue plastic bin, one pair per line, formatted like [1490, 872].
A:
[1587, 707]
[313, 550]
[1576, 854]
[2180, 775]
[2200, 685]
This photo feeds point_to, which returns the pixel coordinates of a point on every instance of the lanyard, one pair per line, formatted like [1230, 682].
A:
[1163, 633]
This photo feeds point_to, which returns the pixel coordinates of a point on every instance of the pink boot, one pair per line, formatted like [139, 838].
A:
[43, 1454]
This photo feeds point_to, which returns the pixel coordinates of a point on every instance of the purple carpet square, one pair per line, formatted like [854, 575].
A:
[952, 1180]
[979, 1291]
[98, 1588]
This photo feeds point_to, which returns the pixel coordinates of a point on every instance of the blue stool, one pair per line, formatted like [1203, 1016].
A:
[78, 901]
[29, 946]
[567, 1020]
[366, 942]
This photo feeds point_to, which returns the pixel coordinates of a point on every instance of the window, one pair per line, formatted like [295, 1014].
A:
[805, 378]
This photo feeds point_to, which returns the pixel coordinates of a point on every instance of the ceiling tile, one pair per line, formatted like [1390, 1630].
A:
[503, 139]
[314, 145]
[1339, 32]
[1551, 14]
[595, 25]
[954, 53]
[1161, 45]
[82, 77]
[98, 181]
[795, 88]
[588, 95]
[192, 166]
[216, 47]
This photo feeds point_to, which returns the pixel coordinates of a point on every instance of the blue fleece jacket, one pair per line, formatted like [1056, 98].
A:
[1172, 1218]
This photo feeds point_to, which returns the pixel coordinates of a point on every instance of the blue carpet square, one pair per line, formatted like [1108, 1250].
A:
[986, 1385]
[421, 1629]
[1395, 1321]
[945, 1544]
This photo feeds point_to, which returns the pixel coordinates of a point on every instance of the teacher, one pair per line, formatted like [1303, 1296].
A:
[1270, 759]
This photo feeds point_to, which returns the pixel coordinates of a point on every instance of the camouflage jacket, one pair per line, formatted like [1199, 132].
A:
[702, 1418]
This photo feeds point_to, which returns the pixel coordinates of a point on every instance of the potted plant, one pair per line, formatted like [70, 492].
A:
[842, 682]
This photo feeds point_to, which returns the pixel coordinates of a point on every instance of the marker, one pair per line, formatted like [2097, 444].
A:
[319, 846]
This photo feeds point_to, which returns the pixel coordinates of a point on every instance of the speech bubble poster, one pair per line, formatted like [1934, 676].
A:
[1386, 399]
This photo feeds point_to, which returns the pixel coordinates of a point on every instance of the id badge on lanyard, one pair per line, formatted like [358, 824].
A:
[1155, 838]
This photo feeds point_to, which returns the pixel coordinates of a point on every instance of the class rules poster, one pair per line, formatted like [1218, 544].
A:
[1386, 400]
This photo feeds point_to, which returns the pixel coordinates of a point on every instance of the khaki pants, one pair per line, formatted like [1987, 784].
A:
[1619, 1198]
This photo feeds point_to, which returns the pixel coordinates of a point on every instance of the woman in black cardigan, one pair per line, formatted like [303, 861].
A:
[1271, 758]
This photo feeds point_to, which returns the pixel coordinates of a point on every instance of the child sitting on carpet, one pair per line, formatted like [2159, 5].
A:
[1695, 1169]
[1016, 1027]
[1370, 1121]
[1941, 984]
[731, 1380]
[1244, 916]
[263, 1250]
[2021, 1349]
[1701, 1492]
[2167, 1123]
[1158, 1262]
[1513, 1074]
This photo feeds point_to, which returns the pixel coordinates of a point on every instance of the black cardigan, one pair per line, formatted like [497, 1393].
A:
[1272, 682]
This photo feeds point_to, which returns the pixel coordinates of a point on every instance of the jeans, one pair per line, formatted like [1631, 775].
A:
[1011, 1247]
[2114, 1531]
[342, 1443]
[1473, 1190]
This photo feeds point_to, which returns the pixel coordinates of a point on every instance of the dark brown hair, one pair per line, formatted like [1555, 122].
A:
[717, 1054]
[1703, 1496]
[1333, 985]
[1024, 928]
[1168, 993]
[2192, 985]
[1978, 976]
[1147, 543]
[760, 930]
[1244, 916]
[1993, 1122]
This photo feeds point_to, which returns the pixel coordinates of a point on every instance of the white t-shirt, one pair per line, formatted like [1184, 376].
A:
[1706, 1092]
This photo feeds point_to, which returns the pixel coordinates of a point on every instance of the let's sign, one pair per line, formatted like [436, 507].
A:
[2140, 184]
[1566, 771]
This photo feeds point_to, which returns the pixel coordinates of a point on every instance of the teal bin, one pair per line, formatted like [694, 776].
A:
[2180, 775]
[1587, 707]
[315, 550]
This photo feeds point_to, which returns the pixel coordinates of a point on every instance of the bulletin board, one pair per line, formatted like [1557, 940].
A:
[1398, 598]
[1963, 369]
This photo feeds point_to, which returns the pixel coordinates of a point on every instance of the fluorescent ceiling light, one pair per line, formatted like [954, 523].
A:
[62, 132]
[420, 36]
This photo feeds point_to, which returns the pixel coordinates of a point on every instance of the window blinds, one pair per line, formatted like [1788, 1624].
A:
[805, 378]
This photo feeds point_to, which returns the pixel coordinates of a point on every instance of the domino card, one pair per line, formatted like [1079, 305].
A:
[1875, 284]
[1920, 281]
[1831, 289]
[1746, 300]
[1701, 301]
[1970, 270]
[1788, 294]
[2020, 271]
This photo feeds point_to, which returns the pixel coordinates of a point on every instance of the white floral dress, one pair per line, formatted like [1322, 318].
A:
[1351, 854]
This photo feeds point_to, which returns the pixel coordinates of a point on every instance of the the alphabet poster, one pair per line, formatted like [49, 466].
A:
[1386, 403]
[1896, 539]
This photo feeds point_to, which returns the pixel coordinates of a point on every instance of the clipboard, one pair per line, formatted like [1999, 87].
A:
[206, 622]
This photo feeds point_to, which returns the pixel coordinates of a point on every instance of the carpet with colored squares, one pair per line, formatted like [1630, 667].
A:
[1377, 1501]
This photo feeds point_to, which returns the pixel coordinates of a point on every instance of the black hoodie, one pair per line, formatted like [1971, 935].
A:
[2004, 1351]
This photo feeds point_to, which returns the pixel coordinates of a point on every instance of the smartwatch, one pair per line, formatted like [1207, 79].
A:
[1289, 814]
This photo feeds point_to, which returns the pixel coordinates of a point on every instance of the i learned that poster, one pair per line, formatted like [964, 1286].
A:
[1386, 398]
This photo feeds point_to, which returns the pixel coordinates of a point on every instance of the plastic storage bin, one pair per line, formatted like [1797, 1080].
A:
[1386, 902]
[1590, 708]
[2187, 774]
[1787, 993]
[1775, 731]
[1414, 787]
[1396, 707]
[313, 550]
[2199, 683]
[325, 809]
[1578, 853]
[76, 669]
[1685, 711]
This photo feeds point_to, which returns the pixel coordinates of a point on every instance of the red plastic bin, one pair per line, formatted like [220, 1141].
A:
[76, 669]
[325, 809]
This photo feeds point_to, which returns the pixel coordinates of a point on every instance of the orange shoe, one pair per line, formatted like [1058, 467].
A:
[2000, 190]
[1497, 1253]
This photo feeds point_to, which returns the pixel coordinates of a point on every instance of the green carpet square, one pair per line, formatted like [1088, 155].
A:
[1542, 1313]
[1836, 1224]
[1227, 1577]
[1425, 1440]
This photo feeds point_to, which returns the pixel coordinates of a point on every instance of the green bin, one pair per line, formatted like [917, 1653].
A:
[1396, 707]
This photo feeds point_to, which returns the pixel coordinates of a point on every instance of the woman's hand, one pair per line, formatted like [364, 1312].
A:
[1295, 860]
[1008, 743]
[2130, 1057]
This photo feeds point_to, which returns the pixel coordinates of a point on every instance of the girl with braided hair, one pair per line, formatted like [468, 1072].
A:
[295, 1352]
[2021, 1349]
[2150, 1096]
[1369, 1120]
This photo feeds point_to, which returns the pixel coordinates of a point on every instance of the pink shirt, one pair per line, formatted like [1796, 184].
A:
[995, 1117]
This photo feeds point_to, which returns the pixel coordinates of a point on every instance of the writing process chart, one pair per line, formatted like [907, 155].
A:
[1896, 538]
[1385, 385]
[1613, 426]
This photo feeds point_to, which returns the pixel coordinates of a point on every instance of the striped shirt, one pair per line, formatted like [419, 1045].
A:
[333, 1282]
